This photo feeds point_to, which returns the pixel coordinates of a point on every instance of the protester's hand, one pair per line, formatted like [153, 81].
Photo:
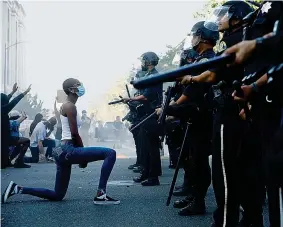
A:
[15, 87]
[28, 90]
[158, 111]
[186, 79]
[24, 115]
[242, 51]
[247, 90]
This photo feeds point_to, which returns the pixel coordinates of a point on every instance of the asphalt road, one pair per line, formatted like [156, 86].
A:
[140, 206]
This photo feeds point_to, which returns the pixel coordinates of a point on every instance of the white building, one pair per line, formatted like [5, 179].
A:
[12, 33]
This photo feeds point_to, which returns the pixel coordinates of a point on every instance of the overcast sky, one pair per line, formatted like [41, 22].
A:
[97, 42]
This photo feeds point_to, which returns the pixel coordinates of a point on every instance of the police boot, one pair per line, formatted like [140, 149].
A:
[132, 166]
[196, 207]
[183, 191]
[140, 178]
[181, 203]
[137, 169]
[152, 181]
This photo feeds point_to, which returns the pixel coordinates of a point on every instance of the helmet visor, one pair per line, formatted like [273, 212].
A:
[188, 42]
[219, 15]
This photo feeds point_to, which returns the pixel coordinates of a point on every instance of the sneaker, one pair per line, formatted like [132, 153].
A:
[12, 189]
[105, 200]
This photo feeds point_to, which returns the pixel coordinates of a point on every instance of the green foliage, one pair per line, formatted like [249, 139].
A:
[208, 8]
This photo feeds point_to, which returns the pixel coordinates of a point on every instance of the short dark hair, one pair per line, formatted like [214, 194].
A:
[69, 83]
[52, 121]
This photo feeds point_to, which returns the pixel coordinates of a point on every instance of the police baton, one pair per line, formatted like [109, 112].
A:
[128, 92]
[144, 120]
[195, 68]
[115, 102]
[183, 149]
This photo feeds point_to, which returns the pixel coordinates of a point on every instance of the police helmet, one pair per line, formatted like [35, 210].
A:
[149, 58]
[237, 9]
[205, 33]
[230, 10]
[188, 56]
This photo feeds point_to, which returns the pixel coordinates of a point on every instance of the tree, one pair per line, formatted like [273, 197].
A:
[31, 106]
[211, 4]
[207, 9]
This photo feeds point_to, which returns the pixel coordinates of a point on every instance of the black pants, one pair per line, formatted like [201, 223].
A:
[242, 163]
[135, 133]
[251, 178]
[174, 139]
[49, 143]
[275, 178]
[4, 151]
[20, 144]
[197, 169]
[150, 148]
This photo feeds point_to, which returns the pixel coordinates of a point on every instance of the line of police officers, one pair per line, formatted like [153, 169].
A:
[244, 137]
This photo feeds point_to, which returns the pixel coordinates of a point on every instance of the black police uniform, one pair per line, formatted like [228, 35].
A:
[235, 160]
[174, 129]
[149, 135]
[266, 115]
[135, 119]
[197, 170]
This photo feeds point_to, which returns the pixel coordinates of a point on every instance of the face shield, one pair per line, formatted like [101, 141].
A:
[220, 17]
[195, 41]
[177, 58]
[188, 42]
[143, 65]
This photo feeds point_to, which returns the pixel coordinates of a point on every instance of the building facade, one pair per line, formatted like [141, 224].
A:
[12, 39]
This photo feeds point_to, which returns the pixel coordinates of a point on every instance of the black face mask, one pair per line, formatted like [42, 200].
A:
[144, 68]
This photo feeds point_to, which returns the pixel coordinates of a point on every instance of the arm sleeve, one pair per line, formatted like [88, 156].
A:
[148, 92]
[41, 134]
[7, 108]
[10, 96]
[270, 46]
[183, 111]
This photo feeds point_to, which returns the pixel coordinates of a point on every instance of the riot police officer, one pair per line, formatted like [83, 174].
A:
[266, 105]
[174, 132]
[133, 118]
[198, 171]
[148, 136]
[231, 165]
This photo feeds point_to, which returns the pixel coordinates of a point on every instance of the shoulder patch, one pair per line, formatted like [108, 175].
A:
[220, 46]
[203, 60]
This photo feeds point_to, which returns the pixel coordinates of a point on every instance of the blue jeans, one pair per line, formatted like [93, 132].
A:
[76, 155]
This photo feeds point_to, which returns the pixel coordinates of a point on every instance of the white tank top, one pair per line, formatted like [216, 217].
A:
[66, 132]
